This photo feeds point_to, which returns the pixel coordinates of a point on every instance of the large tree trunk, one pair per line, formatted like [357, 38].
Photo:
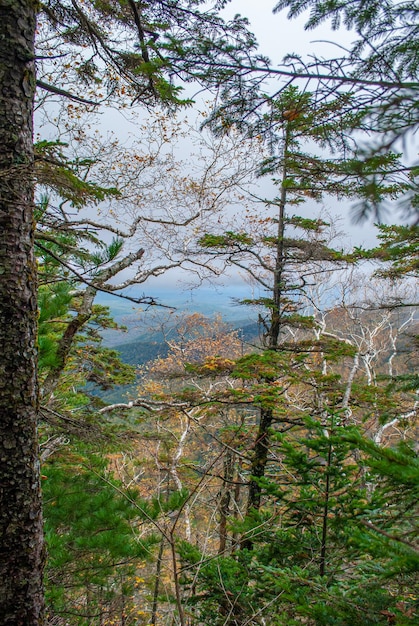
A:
[21, 542]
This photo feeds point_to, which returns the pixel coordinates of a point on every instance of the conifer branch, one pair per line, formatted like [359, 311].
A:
[66, 94]
[389, 536]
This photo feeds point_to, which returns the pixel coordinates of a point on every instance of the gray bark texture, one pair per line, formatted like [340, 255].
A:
[21, 537]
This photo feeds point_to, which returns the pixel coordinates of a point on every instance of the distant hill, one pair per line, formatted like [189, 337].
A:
[142, 350]
[142, 321]
[143, 341]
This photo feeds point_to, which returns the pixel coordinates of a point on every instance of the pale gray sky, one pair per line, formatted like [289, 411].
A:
[277, 37]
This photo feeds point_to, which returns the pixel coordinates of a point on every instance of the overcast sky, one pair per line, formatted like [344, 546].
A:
[277, 37]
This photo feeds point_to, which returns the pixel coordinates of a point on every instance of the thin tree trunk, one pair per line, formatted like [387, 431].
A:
[278, 286]
[236, 502]
[259, 462]
[67, 341]
[21, 542]
[260, 458]
[225, 499]
[323, 548]
[262, 444]
[178, 594]
[80, 320]
[157, 584]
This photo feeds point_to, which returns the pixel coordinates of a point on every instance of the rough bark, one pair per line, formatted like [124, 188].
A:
[21, 540]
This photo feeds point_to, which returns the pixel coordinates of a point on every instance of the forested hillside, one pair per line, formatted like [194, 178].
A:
[245, 460]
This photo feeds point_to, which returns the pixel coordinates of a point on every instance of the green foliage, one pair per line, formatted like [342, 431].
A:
[328, 538]
[307, 224]
[227, 240]
[263, 366]
[90, 521]
[306, 547]
[324, 536]
[58, 173]
[103, 366]
[54, 302]
[381, 67]
[297, 574]
[90, 527]
[398, 251]
[374, 20]
[109, 253]
[175, 501]
[87, 361]
[153, 45]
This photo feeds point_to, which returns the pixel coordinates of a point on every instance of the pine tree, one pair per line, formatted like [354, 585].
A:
[381, 67]
[300, 561]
